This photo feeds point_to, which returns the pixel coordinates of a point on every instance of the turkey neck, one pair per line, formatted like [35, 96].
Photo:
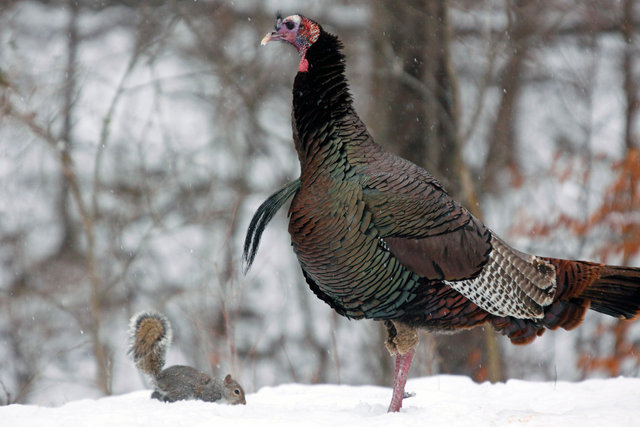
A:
[323, 115]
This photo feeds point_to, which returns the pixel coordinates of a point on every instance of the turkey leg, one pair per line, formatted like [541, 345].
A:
[403, 365]
[401, 343]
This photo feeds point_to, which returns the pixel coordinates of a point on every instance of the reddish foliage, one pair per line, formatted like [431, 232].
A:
[618, 214]
[621, 201]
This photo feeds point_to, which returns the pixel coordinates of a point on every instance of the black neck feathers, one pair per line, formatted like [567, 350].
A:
[321, 94]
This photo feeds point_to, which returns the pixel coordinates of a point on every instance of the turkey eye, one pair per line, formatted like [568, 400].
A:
[289, 25]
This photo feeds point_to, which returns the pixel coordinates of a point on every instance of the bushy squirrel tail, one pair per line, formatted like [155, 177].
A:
[150, 336]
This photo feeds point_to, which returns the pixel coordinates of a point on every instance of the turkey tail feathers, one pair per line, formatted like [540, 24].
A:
[616, 292]
[581, 285]
[262, 217]
[609, 289]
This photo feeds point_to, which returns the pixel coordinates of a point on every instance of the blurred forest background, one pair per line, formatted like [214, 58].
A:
[137, 138]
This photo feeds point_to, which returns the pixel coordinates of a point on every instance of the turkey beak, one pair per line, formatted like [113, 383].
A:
[270, 37]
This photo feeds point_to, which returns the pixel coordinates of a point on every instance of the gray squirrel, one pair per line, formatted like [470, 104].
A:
[150, 335]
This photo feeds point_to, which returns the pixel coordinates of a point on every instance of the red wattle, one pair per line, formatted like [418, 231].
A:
[304, 65]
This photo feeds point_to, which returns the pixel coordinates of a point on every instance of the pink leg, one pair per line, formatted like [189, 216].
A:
[403, 365]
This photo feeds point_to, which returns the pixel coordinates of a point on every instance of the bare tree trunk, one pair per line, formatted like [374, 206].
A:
[632, 98]
[70, 183]
[441, 104]
[69, 237]
[401, 119]
[502, 140]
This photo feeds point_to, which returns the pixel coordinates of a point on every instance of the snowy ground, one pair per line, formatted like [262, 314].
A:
[439, 401]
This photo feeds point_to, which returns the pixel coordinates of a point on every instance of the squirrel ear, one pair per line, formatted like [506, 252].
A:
[227, 379]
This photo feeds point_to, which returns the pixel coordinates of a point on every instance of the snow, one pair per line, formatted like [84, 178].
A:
[439, 401]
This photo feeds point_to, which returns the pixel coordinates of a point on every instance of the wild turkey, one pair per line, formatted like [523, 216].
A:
[378, 237]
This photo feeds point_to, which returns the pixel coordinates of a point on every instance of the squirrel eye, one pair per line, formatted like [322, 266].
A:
[236, 391]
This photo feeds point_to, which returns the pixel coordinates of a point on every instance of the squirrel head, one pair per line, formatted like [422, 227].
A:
[233, 392]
